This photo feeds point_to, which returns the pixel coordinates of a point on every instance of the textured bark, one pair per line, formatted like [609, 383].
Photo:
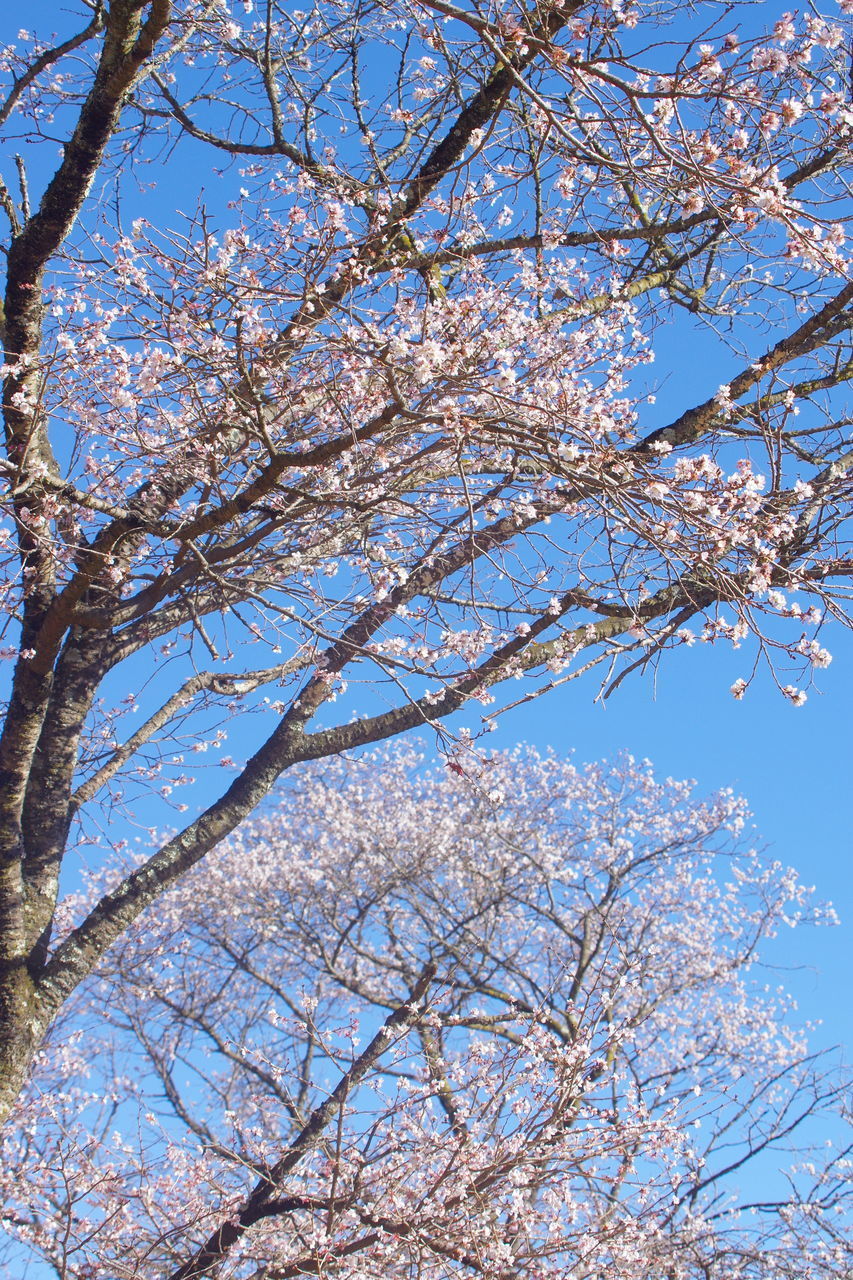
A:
[26, 907]
[46, 816]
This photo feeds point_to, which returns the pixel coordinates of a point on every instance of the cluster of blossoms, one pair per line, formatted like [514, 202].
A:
[568, 1086]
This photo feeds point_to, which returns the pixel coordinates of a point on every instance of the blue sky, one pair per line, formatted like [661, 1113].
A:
[792, 764]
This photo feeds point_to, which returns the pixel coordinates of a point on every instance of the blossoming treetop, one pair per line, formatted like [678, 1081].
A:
[512, 1027]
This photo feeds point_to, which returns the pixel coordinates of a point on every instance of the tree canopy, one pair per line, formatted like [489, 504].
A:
[372, 418]
[412, 1024]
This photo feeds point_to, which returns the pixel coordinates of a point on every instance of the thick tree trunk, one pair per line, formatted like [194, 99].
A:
[22, 1026]
[38, 746]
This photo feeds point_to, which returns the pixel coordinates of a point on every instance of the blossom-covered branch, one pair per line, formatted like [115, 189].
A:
[370, 427]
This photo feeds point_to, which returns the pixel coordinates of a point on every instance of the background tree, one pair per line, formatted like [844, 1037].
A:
[378, 409]
[406, 1024]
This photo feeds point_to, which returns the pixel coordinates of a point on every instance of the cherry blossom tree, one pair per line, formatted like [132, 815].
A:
[372, 418]
[415, 1024]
